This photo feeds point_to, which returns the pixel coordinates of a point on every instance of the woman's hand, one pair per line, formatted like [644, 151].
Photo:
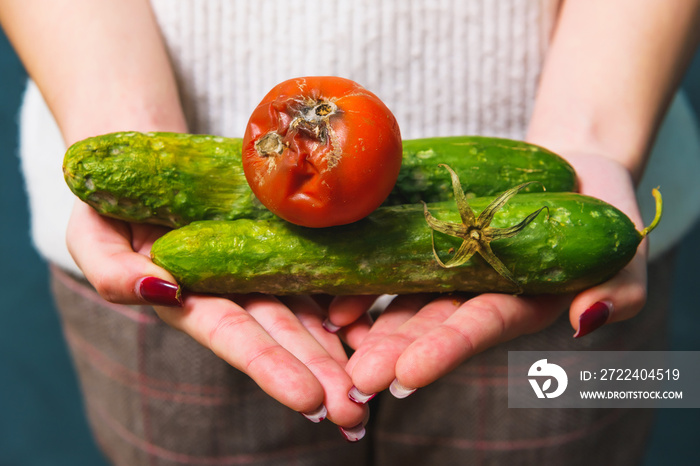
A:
[281, 345]
[419, 338]
[602, 93]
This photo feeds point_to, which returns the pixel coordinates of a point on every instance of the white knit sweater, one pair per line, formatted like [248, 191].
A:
[443, 67]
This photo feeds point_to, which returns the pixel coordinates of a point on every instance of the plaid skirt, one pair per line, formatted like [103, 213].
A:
[154, 396]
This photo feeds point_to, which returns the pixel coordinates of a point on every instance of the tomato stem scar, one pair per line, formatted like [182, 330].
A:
[324, 108]
[270, 144]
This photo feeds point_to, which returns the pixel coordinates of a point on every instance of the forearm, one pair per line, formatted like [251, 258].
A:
[610, 73]
[100, 64]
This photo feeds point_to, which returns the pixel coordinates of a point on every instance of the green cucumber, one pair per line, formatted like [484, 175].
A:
[173, 179]
[575, 243]
[168, 179]
[486, 167]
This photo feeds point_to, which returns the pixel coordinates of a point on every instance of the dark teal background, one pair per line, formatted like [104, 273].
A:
[41, 416]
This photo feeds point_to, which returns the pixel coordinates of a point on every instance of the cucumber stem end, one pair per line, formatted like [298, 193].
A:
[657, 216]
[476, 232]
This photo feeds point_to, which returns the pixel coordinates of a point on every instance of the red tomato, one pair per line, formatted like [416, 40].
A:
[321, 151]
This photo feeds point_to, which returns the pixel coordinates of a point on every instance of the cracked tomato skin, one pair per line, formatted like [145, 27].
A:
[321, 151]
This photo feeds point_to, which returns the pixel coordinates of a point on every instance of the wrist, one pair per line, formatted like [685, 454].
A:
[587, 142]
[156, 117]
[607, 179]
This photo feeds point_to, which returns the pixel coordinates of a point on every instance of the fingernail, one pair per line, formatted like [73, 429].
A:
[359, 397]
[353, 434]
[330, 326]
[160, 292]
[317, 415]
[593, 318]
[399, 391]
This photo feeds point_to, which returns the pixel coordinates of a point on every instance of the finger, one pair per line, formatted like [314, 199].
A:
[232, 334]
[311, 316]
[286, 329]
[344, 310]
[389, 330]
[102, 248]
[620, 298]
[474, 326]
[372, 364]
[354, 334]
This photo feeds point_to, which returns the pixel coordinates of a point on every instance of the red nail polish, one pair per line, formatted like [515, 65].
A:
[593, 318]
[160, 292]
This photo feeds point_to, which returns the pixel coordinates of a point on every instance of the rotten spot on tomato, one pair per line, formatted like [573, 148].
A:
[269, 144]
[321, 151]
[324, 109]
[312, 120]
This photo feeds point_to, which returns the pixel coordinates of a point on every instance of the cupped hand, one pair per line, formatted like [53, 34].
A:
[420, 338]
[280, 344]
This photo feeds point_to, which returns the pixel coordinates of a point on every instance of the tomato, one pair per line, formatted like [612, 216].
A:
[321, 151]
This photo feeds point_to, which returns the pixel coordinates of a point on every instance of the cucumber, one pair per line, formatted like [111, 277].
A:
[486, 166]
[167, 179]
[575, 243]
[173, 179]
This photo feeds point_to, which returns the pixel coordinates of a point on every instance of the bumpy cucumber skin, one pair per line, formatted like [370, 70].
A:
[174, 179]
[161, 178]
[486, 166]
[580, 243]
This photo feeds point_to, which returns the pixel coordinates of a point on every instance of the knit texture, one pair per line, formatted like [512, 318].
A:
[443, 67]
